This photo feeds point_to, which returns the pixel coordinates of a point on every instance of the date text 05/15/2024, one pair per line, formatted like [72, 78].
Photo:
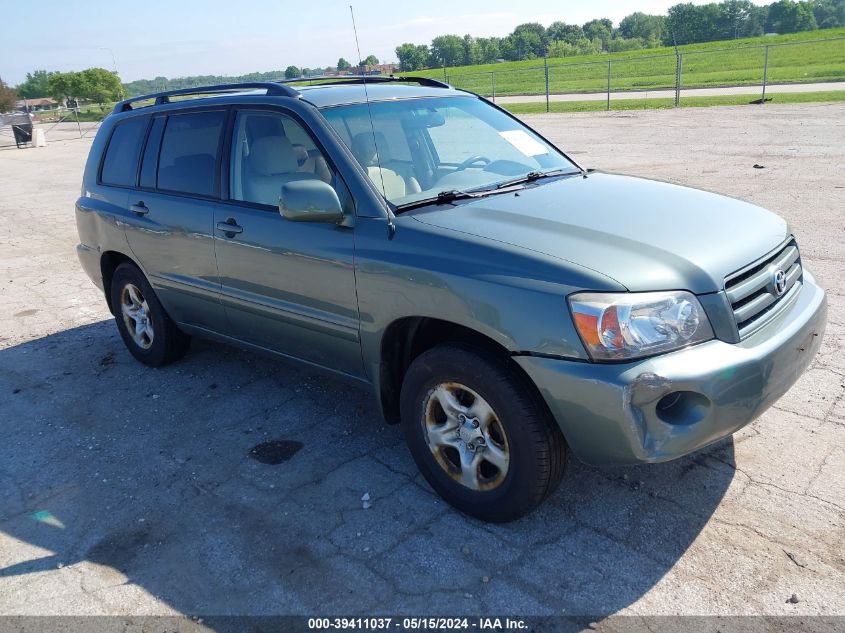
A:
[422, 623]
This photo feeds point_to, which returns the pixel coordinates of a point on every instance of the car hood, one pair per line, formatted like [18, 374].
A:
[644, 234]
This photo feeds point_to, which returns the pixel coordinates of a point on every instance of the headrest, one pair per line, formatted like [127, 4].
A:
[371, 148]
[272, 155]
[301, 153]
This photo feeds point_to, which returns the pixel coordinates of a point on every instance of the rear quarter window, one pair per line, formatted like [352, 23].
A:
[189, 152]
[120, 164]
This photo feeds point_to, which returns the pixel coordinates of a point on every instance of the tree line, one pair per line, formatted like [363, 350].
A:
[293, 72]
[159, 84]
[683, 24]
[101, 86]
[92, 84]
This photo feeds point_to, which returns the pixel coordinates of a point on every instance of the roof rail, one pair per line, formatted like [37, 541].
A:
[272, 88]
[326, 80]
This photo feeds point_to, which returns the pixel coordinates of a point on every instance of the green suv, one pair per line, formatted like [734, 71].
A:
[504, 304]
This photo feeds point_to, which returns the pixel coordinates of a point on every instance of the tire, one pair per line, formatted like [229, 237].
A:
[506, 454]
[149, 333]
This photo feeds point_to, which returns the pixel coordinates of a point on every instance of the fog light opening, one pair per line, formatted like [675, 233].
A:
[683, 407]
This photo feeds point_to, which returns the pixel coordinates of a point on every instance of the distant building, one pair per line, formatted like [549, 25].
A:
[381, 69]
[35, 105]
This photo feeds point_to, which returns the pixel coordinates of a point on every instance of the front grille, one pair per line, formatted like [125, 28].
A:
[753, 291]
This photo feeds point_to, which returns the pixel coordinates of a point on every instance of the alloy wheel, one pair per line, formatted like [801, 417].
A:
[465, 436]
[136, 316]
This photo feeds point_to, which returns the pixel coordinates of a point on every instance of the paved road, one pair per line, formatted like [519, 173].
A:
[126, 490]
[670, 94]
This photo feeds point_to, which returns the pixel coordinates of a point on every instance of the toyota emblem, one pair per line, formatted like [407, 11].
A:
[779, 282]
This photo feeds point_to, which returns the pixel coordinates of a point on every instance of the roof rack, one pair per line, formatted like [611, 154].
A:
[327, 80]
[276, 88]
[272, 88]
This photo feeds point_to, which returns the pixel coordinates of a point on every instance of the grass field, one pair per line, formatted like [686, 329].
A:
[686, 102]
[90, 113]
[792, 58]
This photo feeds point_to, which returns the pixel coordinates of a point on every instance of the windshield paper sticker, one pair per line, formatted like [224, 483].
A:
[522, 141]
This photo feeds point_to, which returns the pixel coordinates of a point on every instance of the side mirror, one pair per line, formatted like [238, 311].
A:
[310, 201]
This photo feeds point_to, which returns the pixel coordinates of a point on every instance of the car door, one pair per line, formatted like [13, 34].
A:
[285, 286]
[171, 221]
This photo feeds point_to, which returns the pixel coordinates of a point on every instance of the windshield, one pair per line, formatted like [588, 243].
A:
[419, 148]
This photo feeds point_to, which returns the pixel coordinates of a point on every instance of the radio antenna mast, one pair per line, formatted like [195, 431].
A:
[369, 110]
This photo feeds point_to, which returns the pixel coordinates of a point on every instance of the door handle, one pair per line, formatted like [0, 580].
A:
[230, 227]
[139, 208]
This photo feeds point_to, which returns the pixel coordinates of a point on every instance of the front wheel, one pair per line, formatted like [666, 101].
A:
[479, 434]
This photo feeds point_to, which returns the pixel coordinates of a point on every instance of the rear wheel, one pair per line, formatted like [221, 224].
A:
[479, 434]
[147, 331]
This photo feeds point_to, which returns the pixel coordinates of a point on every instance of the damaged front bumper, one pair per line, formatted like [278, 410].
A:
[664, 407]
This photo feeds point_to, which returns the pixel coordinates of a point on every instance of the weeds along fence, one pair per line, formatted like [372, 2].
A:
[662, 76]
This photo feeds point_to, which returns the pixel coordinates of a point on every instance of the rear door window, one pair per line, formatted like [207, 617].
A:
[190, 151]
[120, 164]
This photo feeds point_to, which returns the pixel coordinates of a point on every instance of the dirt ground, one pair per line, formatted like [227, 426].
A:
[126, 490]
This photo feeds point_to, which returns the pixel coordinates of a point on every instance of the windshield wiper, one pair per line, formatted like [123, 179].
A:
[532, 176]
[445, 197]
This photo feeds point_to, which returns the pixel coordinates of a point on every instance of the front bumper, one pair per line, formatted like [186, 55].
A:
[609, 412]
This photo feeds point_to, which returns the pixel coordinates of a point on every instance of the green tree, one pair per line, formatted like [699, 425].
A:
[787, 16]
[370, 60]
[412, 56]
[601, 29]
[562, 32]
[737, 19]
[623, 44]
[686, 24]
[447, 50]
[488, 49]
[342, 64]
[755, 23]
[8, 97]
[647, 27]
[829, 13]
[100, 85]
[471, 51]
[527, 41]
[292, 72]
[561, 48]
[67, 87]
[37, 84]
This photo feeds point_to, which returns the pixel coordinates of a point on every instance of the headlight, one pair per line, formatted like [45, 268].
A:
[621, 326]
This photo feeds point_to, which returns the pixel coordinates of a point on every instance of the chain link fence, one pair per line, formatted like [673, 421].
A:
[747, 70]
[58, 125]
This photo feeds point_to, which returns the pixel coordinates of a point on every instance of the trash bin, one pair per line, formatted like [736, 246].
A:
[22, 128]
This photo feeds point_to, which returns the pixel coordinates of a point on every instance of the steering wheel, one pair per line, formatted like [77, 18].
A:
[472, 160]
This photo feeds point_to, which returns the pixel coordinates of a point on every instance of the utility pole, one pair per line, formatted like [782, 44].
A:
[546, 68]
[765, 74]
[113, 61]
[114, 68]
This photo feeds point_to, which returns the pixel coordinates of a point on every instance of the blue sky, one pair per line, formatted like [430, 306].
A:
[194, 37]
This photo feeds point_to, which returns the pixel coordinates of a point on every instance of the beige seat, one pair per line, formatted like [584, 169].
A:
[272, 163]
[312, 164]
[372, 151]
